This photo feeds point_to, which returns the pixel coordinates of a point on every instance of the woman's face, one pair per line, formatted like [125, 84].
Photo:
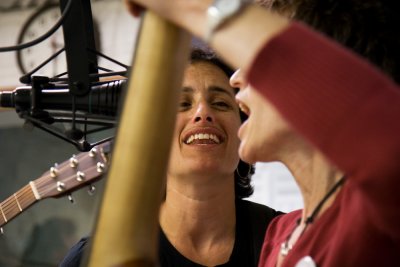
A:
[205, 137]
[265, 134]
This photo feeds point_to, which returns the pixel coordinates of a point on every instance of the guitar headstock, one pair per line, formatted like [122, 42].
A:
[80, 170]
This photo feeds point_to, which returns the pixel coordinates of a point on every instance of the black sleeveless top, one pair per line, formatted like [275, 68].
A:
[252, 220]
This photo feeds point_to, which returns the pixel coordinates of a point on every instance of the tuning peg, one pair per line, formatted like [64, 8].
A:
[91, 190]
[80, 176]
[100, 167]
[60, 186]
[93, 152]
[71, 199]
[54, 171]
[73, 161]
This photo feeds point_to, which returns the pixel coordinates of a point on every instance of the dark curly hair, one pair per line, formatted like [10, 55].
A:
[368, 27]
[244, 171]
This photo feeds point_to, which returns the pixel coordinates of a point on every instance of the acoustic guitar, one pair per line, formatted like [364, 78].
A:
[61, 179]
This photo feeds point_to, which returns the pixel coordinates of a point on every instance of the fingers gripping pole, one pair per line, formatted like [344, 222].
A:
[127, 228]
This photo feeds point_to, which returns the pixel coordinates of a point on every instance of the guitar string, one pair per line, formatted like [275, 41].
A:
[20, 197]
[61, 168]
[73, 177]
[8, 208]
[41, 186]
[9, 205]
[66, 164]
[10, 202]
[11, 198]
[79, 157]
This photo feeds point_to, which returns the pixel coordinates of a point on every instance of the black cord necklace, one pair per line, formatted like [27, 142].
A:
[285, 246]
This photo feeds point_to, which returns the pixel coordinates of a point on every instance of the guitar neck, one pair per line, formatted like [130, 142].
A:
[78, 171]
[18, 202]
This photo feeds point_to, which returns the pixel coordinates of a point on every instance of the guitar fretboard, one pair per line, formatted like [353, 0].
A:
[16, 203]
[72, 174]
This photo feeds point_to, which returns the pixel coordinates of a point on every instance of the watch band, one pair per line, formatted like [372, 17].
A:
[221, 11]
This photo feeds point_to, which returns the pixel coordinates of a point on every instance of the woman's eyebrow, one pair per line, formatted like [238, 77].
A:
[187, 89]
[212, 90]
[217, 89]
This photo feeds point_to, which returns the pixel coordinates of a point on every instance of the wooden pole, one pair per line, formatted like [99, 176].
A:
[127, 228]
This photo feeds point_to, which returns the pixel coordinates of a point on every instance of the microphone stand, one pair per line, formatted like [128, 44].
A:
[78, 39]
[82, 70]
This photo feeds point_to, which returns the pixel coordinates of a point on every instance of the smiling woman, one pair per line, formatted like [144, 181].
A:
[203, 220]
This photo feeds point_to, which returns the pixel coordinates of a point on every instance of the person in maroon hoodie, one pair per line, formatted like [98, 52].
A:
[329, 115]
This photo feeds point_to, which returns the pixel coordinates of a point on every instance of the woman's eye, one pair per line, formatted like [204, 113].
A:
[184, 105]
[221, 104]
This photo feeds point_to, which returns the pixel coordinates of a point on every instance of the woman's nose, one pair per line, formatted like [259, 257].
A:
[237, 80]
[203, 113]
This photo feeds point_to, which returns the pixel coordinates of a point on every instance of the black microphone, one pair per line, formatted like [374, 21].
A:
[102, 99]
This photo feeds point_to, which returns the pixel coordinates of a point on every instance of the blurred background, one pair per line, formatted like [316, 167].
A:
[41, 235]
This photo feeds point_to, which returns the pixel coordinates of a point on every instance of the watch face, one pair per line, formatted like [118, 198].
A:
[38, 24]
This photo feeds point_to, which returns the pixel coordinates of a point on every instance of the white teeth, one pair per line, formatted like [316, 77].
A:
[244, 108]
[215, 138]
[202, 136]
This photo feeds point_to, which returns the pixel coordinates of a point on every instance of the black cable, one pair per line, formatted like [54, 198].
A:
[108, 58]
[44, 36]
[58, 78]
[26, 78]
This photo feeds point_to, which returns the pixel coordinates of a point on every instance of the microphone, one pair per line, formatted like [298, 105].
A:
[102, 98]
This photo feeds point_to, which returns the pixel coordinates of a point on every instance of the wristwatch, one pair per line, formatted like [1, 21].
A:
[219, 12]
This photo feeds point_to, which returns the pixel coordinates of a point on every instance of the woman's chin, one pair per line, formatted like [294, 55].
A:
[245, 154]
